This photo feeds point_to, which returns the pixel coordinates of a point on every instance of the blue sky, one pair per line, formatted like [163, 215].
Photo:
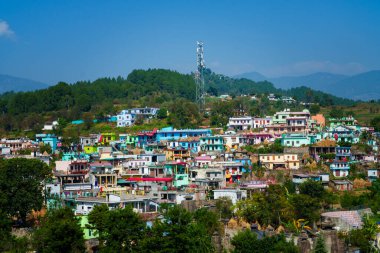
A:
[73, 40]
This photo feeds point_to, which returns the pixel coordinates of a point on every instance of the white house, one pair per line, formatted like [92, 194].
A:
[241, 123]
[49, 126]
[233, 194]
[128, 117]
[262, 122]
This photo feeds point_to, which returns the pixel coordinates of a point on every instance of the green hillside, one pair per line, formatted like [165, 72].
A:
[152, 87]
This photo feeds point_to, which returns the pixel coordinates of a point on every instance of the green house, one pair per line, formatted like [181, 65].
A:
[180, 173]
[212, 143]
[90, 149]
[295, 140]
[87, 232]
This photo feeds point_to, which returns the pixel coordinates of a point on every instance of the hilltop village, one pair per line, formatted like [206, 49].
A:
[291, 175]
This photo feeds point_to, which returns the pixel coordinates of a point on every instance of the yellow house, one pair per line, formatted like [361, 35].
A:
[274, 161]
[107, 138]
[90, 149]
[173, 154]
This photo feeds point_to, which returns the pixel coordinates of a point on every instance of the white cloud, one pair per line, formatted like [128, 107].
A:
[5, 30]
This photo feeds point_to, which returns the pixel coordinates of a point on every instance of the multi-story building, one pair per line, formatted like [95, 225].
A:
[241, 123]
[280, 117]
[169, 133]
[212, 143]
[255, 138]
[128, 117]
[341, 165]
[295, 140]
[262, 122]
[280, 161]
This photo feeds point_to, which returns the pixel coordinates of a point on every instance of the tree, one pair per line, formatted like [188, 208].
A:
[5, 232]
[183, 113]
[177, 232]
[162, 113]
[243, 241]
[336, 113]
[223, 207]
[208, 219]
[120, 230]
[60, 231]
[375, 122]
[313, 189]
[246, 242]
[45, 148]
[314, 109]
[21, 189]
[320, 246]
[306, 207]
[88, 119]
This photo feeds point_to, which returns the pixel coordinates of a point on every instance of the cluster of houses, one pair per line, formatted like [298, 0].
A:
[171, 165]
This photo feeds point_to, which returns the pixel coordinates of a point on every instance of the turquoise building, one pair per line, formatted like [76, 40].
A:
[212, 143]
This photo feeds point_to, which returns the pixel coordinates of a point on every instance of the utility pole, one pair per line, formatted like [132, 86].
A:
[199, 78]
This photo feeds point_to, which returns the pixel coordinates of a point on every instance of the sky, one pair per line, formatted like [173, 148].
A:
[72, 40]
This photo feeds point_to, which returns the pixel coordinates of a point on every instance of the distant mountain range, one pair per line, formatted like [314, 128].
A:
[11, 83]
[364, 86]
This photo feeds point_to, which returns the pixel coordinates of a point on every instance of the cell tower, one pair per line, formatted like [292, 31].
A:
[199, 78]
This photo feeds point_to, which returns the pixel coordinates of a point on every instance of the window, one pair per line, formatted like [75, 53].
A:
[294, 164]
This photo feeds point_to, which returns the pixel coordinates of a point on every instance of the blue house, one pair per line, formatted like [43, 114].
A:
[341, 165]
[48, 139]
[169, 133]
[186, 143]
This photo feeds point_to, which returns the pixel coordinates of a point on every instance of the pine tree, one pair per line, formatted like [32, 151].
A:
[320, 246]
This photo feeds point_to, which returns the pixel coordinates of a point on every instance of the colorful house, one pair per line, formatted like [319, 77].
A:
[343, 133]
[88, 233]
[145, 137]
[281, 117]
[90, 149]
[187, 143]
[169, 133]
[106, 138]
[177, 153]
[129, 139]
[179, 171]
[233, 171]
[280, 161]
[255, 138]
[48, 139]
[212, 143]
[295, 140]
[341, 165]
[345, 121]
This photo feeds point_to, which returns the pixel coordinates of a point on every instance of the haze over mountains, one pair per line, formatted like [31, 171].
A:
[364, 86]
[11, 83]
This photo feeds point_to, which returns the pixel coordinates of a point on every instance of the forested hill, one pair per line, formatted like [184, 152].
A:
[217, 84]
[151, 87]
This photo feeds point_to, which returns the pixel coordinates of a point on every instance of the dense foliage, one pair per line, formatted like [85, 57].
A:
[119, 230]
[21, 189]
[247, 242]
[60, 231]
[152, 87]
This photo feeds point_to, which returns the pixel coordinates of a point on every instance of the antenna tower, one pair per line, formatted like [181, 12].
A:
[199, 78]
